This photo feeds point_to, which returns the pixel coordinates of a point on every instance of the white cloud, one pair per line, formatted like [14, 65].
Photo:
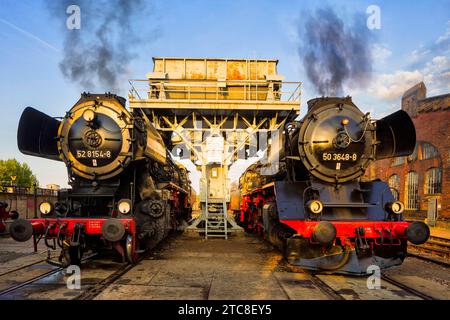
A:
[424, 53]
[446, 36]
[392, 86]
[437, 75]
[380, 53]
[418, 55]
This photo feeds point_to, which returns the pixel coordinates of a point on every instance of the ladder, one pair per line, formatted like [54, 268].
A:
[216, 222]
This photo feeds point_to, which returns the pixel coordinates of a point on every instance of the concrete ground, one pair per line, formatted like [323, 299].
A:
[247, 268]
[189, 267]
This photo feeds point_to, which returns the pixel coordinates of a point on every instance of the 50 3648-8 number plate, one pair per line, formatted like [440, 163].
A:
[93, 154]
[326, 156]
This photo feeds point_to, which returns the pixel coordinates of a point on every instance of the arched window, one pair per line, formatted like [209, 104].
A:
[429, 151]
[433, 181]
[394, 183]
[412, 190]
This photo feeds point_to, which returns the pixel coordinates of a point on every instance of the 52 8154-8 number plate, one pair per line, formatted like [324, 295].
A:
[93, 154]
[327, 156]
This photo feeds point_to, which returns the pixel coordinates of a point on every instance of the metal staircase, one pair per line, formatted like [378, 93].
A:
[216, 222]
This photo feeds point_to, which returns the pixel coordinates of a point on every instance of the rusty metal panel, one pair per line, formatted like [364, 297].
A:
[215, 69]
[195, 69]
[158, 65]
[174, 69]
[236, 70]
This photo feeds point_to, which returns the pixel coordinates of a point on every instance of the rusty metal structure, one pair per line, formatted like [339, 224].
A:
[212, 109]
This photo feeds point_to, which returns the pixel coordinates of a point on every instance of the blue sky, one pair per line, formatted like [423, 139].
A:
[412, 45]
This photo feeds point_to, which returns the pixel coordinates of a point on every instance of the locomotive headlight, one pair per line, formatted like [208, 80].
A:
[315, 206]
[45, 207]
[396, 207]
[124, 206]
[89, 115]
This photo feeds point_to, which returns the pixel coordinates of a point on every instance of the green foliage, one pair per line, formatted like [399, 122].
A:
[22, 172]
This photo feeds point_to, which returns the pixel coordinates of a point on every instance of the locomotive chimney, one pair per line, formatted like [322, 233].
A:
[326, 100]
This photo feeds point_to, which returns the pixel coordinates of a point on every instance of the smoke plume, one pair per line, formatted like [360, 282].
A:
[97, 55]
[335, 53]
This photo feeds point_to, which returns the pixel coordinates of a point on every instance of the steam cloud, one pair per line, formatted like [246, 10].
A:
[98, 54]
[333, 53]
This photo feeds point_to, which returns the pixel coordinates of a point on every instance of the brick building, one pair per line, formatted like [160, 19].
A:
[423, 179]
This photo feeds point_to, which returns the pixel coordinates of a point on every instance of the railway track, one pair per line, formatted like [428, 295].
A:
[35, 279]
[325, 288]
[29, 282]
[436, 250]
[91, 291]
[22, 267]
[333, 287]
[407, 288]
[339, 294]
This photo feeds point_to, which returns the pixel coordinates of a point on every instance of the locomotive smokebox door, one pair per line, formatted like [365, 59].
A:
[335, 141]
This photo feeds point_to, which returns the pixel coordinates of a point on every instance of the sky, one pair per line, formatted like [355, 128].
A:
[412, 45]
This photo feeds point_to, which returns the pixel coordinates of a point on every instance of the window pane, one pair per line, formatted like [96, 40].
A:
[433, 181]
[428, 151]
[412, 190]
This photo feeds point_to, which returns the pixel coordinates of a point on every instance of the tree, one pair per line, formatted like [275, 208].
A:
[13, 168]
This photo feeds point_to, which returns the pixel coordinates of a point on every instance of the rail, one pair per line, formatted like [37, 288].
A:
[215, 90]
[21, 190]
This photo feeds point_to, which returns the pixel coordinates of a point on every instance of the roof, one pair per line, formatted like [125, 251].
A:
[220, 59]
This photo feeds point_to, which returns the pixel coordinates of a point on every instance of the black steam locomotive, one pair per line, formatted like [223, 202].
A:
[315, 204]
[127, 192]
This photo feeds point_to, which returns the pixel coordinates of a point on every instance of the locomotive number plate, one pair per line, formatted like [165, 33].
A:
[93, 154]
[326, 156]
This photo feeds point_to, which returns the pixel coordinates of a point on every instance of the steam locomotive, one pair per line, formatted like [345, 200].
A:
[315, 203]
[127, 193]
